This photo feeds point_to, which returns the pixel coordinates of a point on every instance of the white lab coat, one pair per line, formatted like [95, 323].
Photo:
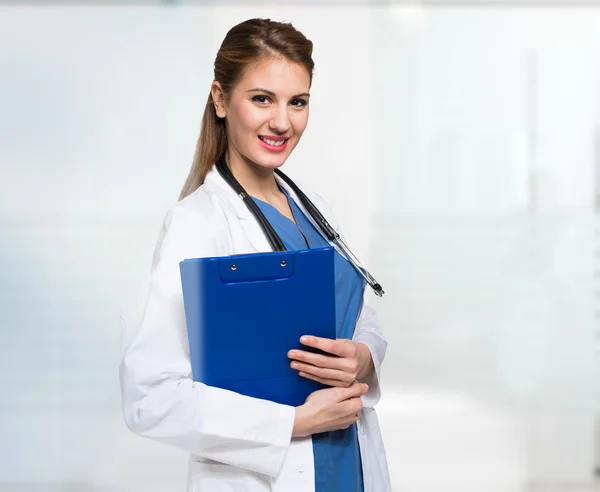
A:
[236, 443]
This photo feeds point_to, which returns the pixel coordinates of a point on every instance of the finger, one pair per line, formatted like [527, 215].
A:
[356, 390]
[339, 347]
[320, 372]
[329, 382]
[318, 360]
[350, 407]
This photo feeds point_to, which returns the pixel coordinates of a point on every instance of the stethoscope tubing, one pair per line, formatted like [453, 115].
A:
[273, 238]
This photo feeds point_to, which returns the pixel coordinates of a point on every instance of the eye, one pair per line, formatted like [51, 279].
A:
[260, 99]
[299, 102]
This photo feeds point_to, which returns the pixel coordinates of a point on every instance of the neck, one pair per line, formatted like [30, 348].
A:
[256, 180]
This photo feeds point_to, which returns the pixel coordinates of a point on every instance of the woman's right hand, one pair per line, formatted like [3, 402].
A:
[329, 409]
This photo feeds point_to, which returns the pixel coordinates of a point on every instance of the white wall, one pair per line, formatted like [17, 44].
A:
[488, 199]
[475, 213]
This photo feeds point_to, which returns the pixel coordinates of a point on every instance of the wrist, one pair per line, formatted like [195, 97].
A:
[301, 422]
[365, 361]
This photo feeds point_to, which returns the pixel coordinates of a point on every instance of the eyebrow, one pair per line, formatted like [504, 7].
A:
[272, 94]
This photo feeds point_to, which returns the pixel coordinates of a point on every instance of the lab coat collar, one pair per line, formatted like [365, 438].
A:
[215, 183]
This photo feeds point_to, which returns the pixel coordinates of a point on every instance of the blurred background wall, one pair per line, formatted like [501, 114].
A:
[459, 146]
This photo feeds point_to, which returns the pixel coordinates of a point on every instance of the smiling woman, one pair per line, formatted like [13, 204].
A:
[262, 78]
[256, 113]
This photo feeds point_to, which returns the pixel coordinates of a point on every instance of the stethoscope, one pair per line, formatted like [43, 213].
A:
[275, 240]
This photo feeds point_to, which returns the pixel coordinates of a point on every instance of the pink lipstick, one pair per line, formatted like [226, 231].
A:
[273, 143]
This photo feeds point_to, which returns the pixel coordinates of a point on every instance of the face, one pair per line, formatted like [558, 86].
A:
[266, 113]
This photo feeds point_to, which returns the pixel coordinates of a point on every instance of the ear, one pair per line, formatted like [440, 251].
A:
[218, 97]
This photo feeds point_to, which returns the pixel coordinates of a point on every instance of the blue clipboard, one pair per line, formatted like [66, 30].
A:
[245, 312]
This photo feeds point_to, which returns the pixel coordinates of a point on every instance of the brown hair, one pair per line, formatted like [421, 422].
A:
[243, 46]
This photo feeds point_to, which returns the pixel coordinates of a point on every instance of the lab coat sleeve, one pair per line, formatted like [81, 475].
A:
[367, 331]
[160, 399]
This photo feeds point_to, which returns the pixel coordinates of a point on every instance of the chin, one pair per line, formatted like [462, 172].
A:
[271, 162]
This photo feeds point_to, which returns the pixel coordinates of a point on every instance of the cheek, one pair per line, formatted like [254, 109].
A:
[243, 123]
[250, 119]
[299, 122]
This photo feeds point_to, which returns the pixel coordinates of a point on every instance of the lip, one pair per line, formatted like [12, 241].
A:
[273, 148]
[273, 137]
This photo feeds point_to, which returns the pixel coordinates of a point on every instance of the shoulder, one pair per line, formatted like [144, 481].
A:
[193, 227]
[198, 206]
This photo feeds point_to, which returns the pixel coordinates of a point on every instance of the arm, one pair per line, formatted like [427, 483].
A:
[369, 333]
[160, 400]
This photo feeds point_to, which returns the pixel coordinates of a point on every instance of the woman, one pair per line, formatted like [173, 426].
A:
[256, 113]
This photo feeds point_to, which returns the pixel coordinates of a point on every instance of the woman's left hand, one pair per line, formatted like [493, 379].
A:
[349, 361]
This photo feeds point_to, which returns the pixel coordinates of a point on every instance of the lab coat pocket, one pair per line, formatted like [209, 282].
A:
[218, 477]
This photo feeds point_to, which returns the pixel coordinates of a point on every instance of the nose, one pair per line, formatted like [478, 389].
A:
[280, 120]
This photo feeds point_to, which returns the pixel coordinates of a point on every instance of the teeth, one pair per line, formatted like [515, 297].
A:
[273, 142]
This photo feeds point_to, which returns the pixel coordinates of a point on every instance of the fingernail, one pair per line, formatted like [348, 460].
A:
[303, 339]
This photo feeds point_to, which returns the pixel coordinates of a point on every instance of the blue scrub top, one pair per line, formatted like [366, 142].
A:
[337, 455]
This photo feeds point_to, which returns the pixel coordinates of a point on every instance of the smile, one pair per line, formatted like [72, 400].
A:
[274, 143]
[277, 144]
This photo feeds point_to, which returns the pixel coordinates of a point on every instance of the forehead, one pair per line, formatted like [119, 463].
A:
[277, 75]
